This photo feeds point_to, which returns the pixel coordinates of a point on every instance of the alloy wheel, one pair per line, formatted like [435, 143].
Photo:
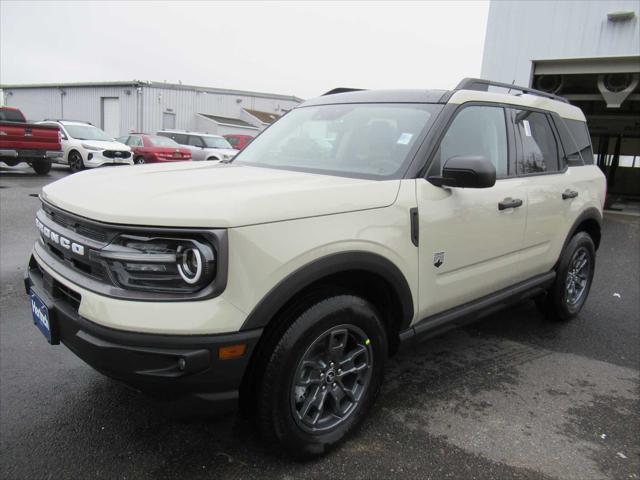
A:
[577, 276]
[331, 378]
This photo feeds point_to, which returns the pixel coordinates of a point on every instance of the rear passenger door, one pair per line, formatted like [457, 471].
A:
[468, 246]
[541, 164]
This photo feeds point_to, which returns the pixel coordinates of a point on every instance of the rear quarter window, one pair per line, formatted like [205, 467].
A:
[580, 139]
[11, 115]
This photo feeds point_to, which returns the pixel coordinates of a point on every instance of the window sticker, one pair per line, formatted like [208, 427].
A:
[527, 128]
[404, 138]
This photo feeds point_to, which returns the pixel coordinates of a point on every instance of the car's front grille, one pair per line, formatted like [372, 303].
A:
[116, 154]
[73, 224]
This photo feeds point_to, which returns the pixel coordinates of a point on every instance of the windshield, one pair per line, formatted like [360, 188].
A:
[162, 142]
[216, 142]
[86, 132]
[370, 140]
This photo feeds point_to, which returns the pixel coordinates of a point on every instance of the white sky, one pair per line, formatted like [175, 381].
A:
[293, 48]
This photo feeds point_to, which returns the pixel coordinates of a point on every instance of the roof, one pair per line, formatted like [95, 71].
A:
[146, 83]
[264, 117]
[565, 110]
[380, 96]
[188, 132]
[236, 122]
[457, 96]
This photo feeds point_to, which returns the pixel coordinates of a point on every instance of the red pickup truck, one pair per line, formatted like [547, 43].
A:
[37, 145]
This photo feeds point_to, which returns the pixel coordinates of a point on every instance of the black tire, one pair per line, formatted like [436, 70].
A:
[345, 321]
[76, 163]
[138, 160]
[42, 168]
[567, 295]
[213, 159]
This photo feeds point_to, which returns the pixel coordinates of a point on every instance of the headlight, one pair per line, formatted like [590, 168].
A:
[160, 264]
[91, 148]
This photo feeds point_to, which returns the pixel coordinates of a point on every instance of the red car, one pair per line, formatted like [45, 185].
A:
[154, 149]
[238, 141]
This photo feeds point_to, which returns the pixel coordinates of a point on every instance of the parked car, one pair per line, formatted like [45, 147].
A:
[361, 222]
[203, 146]
[154, 148]
[33, 144]
[86, 146]
[238, 141]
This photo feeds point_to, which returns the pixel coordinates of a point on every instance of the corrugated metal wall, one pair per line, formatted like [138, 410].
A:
[85, 103]
[185, 104]
[520, 32]
[76, 103]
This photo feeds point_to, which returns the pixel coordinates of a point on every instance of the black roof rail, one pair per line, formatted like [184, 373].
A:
[483, 85]
[342, 90]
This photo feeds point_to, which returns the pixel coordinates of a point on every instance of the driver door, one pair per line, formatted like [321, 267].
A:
[469, 244]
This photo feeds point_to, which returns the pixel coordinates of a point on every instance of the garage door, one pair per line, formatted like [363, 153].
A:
[111, 116]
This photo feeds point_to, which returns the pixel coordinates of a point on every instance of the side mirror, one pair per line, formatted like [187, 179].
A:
[466, 172]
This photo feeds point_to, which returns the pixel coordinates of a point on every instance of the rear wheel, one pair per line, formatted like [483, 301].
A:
[323, 375]
[75, 162]
[42, 167]
[574, 276]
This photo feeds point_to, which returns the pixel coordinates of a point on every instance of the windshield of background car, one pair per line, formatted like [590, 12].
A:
[162, 142]
[216, 142]
[86, 132]
[362, 140]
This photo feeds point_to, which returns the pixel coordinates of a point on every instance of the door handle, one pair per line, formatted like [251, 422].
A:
[569, 194]
[509, 203]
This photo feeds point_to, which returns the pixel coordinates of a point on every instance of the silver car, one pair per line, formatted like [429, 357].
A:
[203, 146]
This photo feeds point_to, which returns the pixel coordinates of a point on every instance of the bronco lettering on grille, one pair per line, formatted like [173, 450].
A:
[59, 239]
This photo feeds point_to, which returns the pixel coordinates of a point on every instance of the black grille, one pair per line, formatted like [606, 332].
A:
[116, 154]
[81, 228]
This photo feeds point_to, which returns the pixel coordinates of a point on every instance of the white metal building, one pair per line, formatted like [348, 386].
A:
[123, 107]
[587, 52]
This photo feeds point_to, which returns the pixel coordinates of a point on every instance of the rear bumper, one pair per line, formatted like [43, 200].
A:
[30, 155]
[159, 364]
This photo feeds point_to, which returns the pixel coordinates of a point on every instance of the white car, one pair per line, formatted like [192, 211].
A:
[86, 146]
[203, 146]
[358, 223]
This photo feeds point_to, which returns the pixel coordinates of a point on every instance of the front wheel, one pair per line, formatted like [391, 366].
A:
[574, 276]
[323, 375]
[75, 162]
[138, 160]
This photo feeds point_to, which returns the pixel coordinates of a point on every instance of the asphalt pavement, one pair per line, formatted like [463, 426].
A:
[513, 396]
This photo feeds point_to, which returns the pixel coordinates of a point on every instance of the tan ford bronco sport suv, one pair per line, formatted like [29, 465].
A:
[359, 222]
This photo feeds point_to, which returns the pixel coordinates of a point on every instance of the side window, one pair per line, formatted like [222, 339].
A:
[180, 138]
[234, 141]
[124, 139]
[539, 148]
[582, 139]
[135, 141]
[196, 141]
[476, 131]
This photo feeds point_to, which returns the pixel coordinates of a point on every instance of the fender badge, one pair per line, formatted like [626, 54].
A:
[438, 259]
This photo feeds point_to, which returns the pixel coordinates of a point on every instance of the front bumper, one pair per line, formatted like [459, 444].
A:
[155, 363]
[99, 160]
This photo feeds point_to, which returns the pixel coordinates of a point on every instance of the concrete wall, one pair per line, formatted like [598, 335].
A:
[519, 32]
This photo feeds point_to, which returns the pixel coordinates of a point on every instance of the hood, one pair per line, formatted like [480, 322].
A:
[106, 145]
[212, 195]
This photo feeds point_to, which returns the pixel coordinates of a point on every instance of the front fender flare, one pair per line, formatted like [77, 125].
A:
[321, 268]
